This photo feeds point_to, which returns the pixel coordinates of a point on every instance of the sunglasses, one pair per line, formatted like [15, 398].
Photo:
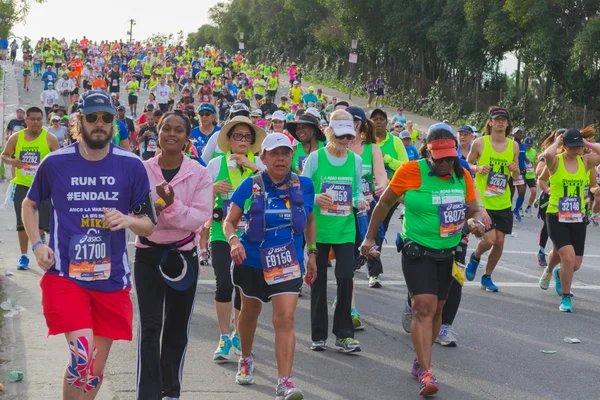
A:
[205, 113]
[106, 118]
[347, 137]
[239, 137]
[447, 160]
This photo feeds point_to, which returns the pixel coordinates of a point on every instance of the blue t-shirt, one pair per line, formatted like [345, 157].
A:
[307, 98]
[400, 118]
[79, 189]
[413, 153]
[278, 213]
[48, 77]
[200, 140]
[232, 88]
[522, 156]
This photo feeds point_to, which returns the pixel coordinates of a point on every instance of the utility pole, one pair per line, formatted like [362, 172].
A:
[130, 32]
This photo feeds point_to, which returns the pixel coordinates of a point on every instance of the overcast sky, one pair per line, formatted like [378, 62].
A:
[109, 19]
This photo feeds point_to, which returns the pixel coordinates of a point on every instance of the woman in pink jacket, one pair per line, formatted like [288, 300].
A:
[166, 262]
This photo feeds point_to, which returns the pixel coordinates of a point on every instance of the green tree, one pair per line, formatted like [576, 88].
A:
[13, 12]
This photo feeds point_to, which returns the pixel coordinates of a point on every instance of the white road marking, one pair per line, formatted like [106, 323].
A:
[389, 246]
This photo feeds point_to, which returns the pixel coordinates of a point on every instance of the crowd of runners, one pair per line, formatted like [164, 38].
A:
[272, 189]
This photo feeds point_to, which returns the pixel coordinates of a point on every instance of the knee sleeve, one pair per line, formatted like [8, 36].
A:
[93, 380]
[77, 369]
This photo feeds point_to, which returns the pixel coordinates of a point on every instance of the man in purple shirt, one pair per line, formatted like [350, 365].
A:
[97, 191]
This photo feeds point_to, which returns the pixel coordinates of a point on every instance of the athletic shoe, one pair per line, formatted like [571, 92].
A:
[407, 318]
[203, 258]
[374, 282]
[487, 284]
[541, 259]
[347, 345]
[416, 368]
[594, 220]
[237, 345]
[517, 215]
[528, 213]
[334, 302]
[224, 350]
[286, 390]
[319, 345]
[545, 279]
[23, 263]
[245, 372]
[446, 336]
[471, 269]
[565, 304]
[558, 286]
[170, 398]
[429, 385]
[358, 326]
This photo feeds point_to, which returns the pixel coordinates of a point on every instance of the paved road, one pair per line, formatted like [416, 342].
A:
[500, 337]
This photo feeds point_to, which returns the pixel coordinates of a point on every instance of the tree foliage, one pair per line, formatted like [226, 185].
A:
[12, 12]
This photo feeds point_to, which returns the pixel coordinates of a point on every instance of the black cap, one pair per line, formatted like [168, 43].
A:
[573, 138]
[465, 128]
[342, 103]
[96, 101]
[307, 120]
[357, 113]
[378, 111]
[150, 107]
[121, 108]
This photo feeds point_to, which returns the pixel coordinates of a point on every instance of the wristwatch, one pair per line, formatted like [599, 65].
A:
[313, 251]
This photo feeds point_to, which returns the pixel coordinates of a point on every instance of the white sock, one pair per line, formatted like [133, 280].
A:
[542, 250]
[24, 255]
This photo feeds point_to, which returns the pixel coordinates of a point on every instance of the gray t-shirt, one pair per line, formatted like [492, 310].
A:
[61, 134]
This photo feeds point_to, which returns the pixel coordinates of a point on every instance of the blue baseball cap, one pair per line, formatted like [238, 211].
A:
[440, 125]
[185, 278]
[96, 101]
[528, 141]
[357, 113]
[465, 128]
[207, 107]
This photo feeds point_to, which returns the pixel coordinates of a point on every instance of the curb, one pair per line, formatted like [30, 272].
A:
[9, 101]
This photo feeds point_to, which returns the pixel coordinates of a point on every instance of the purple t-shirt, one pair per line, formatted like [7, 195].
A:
[85, 251]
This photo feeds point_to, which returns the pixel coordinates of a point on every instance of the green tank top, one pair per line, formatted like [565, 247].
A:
[493, 187]
[300, 157]
[424, 209]
[235, 178]
[367, 178]
[529, 166]
[564, 184]
[31, 153]
[335, 225]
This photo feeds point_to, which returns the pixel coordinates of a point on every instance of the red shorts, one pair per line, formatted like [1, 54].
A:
[68, 307]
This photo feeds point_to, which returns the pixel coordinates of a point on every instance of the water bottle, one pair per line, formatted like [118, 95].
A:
[363, 225]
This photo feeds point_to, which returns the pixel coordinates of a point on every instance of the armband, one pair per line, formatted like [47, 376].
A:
[147, 209]
[547, 190]
[591, 145]
[311, 246]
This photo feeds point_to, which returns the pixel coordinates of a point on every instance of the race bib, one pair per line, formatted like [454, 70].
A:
[280, 264]
[519, 181]
[151, 145]
[226, 207]
[529, 168]
[115, 82]
[452, 218]
[569, 209]
[341, 195]
[89, 257]
[496, 184]
[366, 189]
[31, 162]
[301, 162]
[49, 101]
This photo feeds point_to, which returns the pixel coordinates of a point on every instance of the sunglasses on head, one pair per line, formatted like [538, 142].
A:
[347, 137]
[106, 118]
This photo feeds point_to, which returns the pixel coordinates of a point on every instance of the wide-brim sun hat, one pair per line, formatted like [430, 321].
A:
[307, 120]
[259, 134]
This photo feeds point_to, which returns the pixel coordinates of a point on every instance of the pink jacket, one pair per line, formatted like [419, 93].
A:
[192, 207]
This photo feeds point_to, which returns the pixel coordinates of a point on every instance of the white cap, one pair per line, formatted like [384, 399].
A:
[314, 112]
[275, 140]
[278, 115]
[256, 113]
[405, 135]
[342, 127]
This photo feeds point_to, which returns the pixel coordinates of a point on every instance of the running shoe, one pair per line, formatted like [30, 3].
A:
[347, 345]
[203, 258]
[237, 345]
[517, 215]
[374, 282]
[541, 259]
[429, 385]
[471, 269]
[545, 279]
[594, 220]
[446, 336]
[286, 390]
[224, 350]
[528, 213]
[319, 345]
[565, 304]
[358, 326]
[407, 318]
[416, 368]
[23, 263]
[487, 284]
[558, 286]
[245, 372]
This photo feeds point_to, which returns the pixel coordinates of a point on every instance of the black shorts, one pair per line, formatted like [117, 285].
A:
[564, 233]
[216, 94]
[164, 107]
[133, 99]
[113, 89]
[530, 182]
[252, 283]
[272, 93]
[425, 275]
[44, 212]
[57, 65]
[379, 92]
[502, 220]
[258, 97]
[146, 77]
[75, 91]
